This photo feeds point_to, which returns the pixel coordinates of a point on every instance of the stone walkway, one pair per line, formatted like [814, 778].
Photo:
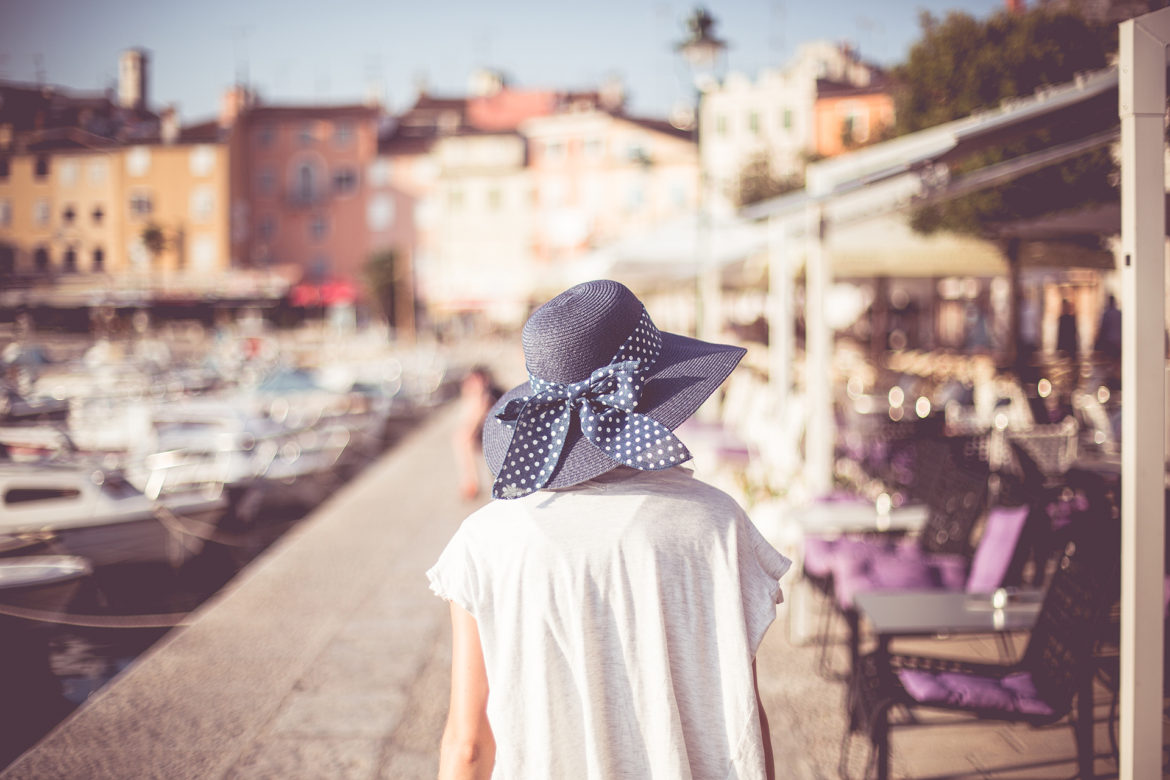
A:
[328, 658]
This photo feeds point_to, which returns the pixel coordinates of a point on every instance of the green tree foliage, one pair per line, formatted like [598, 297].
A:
[962, 65]
[381, 275]
[757, 182]
[154, 239]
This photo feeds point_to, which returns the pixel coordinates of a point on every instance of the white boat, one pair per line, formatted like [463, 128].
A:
[43, 583]
[97, 514]
[199, 443]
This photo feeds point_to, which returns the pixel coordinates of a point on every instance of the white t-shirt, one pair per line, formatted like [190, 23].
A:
[619, 619]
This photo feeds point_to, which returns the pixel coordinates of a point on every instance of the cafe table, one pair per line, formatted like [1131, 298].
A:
[918, 613]
[908, 613]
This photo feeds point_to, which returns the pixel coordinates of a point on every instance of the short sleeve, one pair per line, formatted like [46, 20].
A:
[761, 567]
[453, 576]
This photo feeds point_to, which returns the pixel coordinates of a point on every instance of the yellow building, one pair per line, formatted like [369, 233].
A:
[173, 213]
[77, 209]
[58, 207]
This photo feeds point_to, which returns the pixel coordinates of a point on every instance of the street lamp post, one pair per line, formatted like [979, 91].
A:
[703, 52]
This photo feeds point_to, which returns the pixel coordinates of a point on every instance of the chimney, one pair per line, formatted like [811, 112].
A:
[612, 94]
[169, 125]
[133, 81]
[235, 100]
[1014, 6]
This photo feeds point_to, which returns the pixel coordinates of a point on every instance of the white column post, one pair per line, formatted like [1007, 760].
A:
[1142, 101]
[780, 325]
[818, 340]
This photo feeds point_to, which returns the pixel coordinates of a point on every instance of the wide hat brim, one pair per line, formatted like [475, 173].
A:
[686, 373]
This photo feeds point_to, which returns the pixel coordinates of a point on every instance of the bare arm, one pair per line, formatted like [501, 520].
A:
[765, 730]
[468, 750]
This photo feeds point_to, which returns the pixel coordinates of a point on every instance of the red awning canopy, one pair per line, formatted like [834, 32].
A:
[331, 293]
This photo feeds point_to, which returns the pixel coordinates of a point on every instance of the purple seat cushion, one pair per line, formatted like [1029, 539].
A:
[895, 568]
[1014, 693]
[824, 555]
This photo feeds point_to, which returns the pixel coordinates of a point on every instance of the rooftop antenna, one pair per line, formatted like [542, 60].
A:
[39, 68]
[776, 26]
[375, 85]
[240, 35]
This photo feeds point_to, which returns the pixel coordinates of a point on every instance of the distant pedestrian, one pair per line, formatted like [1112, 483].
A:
[1066, 330]
[1108, 341]
[478, 392]
[607, 610]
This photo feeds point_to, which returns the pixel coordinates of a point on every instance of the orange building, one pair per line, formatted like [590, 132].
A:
[846, 116]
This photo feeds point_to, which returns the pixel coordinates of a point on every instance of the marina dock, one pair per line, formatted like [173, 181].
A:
[328, 657]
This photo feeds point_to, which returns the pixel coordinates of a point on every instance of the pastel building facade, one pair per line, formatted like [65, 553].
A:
[87, 210]
[58, 213]
[772, 117]
[300, 190]
[599, 175]
[174, 212]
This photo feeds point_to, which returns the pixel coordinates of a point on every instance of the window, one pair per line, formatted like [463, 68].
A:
[595, 148]
[494, 199]
[554, 151]
[68, 172]
[202, 204]
[69, 262]
[98, 214]
[754, 123]
[267, 227]
[304, 184]
[98, 172]
[455, 199]
[266, 181]
[721, 124]
[98, 265]
[7, 260]
[41, 213]
[41, 166]
[380, 212]
[201, 161]
[138, 161]
[318, 227]
[68, 215]
[787, 119]
[265, 135]
[379, 173]
[203, 253]
[140, 204]
[3, 167]
[306, 135]
[344, 181]
[634, 198]
[41, 259]
[5, 212]
[637, 153]
[32, 494]
[343, 134]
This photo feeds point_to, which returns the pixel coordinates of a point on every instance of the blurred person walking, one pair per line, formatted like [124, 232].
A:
[1067, 340]
[477, 393]
[607, 608]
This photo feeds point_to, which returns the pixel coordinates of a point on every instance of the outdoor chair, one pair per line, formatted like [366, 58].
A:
[1038, 689]
[956, 501]
[997, 561]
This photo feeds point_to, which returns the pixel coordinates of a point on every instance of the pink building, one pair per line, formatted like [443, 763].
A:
[301, 190]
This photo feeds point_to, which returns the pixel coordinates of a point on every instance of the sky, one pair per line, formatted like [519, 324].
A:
[296, 51]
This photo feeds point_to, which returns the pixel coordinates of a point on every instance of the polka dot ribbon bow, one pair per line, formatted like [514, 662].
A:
[604, 405]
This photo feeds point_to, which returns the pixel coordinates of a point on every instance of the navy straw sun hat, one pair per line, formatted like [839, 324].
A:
[573, 345]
